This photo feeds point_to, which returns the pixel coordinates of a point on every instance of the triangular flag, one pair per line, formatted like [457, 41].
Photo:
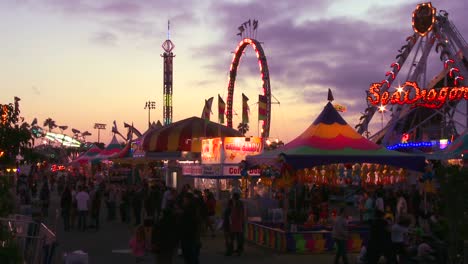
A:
[221, 109]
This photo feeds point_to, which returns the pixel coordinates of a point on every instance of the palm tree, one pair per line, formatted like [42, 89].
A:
[243, 128]
[50, 124]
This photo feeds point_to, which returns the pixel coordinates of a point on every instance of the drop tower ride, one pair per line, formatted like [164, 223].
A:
[167, 56]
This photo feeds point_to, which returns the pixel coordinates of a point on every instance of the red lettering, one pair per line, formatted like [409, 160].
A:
[431, 98]
[374, 91]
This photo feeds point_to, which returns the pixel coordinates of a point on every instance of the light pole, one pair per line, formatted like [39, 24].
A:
[150, 105]
[99, 126]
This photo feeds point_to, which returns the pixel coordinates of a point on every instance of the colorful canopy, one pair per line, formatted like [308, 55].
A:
[87, 156]
[113, 148]
[329, 140]
[185, 135]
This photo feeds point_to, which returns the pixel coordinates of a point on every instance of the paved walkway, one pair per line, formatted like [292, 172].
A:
[110, 245]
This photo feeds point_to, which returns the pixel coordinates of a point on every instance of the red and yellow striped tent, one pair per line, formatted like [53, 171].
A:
[185, 135]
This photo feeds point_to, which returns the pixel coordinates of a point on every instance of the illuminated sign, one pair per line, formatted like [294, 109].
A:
[443, 143]
[410, 93]
[232, 150]
[424, 17]
[236, 171]
[211, 151]
[237, 148]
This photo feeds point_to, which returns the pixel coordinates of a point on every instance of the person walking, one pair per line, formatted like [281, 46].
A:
[379, 239]
[66, 206]
[211, 211]
[138, 244]
[165, 236]
[237, 223]
[190, 230]
[340, 235]
[82, 202]
[227, 228]
[96, 208]
[44, 197]
[137, 204]
[399, 235]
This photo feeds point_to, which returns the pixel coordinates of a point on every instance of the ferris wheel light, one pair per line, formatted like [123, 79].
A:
[382, 109]
[399, 89]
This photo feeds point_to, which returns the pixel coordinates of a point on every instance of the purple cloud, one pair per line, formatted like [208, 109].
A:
[104, 38]
[126, 8]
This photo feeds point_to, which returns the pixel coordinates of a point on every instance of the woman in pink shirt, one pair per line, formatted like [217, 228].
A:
[138, 244]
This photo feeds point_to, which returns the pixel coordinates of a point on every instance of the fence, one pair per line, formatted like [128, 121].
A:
[35, 241]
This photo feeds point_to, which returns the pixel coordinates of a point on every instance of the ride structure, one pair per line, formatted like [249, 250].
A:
[167, 56]
[423, 113]
[248, 32]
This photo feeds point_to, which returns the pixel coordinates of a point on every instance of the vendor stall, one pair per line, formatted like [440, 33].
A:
[324, 153]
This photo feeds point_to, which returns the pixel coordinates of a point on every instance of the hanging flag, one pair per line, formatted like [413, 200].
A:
[255, 24]
[245, 109]
[221, 109]
[262, 107]
[207, 109]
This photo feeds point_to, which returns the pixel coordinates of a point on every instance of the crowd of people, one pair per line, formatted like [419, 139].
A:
[404, 227]
[404, 224]
[167, 222]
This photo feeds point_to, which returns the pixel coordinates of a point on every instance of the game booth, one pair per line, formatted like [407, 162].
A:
[332, 155]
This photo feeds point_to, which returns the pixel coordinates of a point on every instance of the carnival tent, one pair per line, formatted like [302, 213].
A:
[330, 140]
[185, 135]
[87, 156]
[112, 149]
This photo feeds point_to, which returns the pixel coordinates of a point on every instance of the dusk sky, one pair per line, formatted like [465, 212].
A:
[86, 61]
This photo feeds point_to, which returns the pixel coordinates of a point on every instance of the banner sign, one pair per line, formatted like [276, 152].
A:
[237, 148]
[236, 171]
[211, 151]
[193, 170]
[202, 170]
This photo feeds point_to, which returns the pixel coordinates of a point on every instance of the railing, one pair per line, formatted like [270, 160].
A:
[35, 241]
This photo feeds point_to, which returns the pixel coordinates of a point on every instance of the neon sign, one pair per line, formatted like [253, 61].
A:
[424, 17]
[415, 96]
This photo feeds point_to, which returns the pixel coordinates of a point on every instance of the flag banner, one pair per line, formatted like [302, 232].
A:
[221, 109]
[262, 107]
[245, 109]
[207, 109]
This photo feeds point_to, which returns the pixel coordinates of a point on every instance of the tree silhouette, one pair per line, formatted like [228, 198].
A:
[49, 123]
[243, 128]
[15, 135]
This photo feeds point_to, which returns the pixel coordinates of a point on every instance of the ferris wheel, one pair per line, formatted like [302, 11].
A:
[248, 32]
[425, 110]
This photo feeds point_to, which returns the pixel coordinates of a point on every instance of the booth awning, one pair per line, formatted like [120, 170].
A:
[185, 135]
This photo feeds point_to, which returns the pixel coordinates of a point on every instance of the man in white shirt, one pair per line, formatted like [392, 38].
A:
[379, 203]
[82, 200]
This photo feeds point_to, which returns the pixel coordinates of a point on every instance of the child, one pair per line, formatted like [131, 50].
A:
[138, 244]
